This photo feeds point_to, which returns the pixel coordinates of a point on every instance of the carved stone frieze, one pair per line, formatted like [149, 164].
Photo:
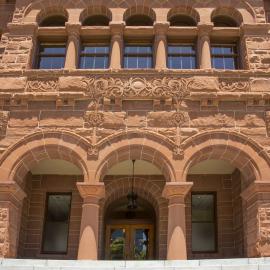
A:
[229, 85]
[94, 118]
[42, 85]
[263, 241]
[138, 87]
[3, 122]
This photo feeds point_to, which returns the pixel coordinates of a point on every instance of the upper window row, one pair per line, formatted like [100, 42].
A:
[179, 56]
[139, 20]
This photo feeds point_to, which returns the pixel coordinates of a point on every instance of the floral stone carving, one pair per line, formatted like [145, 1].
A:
[42, 86]
[94, 118]
[4, 236]
[234, 86]
[178, 118]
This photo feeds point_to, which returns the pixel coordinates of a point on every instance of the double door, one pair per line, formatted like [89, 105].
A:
[129, 242]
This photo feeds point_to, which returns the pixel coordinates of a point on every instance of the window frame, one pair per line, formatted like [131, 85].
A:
[148, 44]
[235, 55]
[182, 54]
[39, 55]
[90, 44]
[215, 221]
[48, 194]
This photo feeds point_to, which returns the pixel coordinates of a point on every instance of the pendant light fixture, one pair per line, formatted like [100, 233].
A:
[132, 196]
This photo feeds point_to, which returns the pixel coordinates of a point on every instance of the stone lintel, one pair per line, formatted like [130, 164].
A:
[94, 191]
[176, 189]
[255, 188]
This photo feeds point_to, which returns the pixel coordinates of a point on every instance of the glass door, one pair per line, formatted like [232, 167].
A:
[129, 242]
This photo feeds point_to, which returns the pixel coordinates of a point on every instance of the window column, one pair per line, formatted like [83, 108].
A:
[11, 200]
[91, 194]
[161, 44]
[204, 49]
[73, 45]
[116, 44]
[256, 206]
[176, 244]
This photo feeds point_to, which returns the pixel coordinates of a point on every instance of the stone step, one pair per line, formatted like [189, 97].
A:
[223, 264]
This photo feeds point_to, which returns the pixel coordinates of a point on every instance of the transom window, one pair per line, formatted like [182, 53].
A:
[96, 20]
[203, 222]
[53, 21]
[138, 56]
[51, 56]
[224, 56]
[224, 21]
[94, 57]
[56, 224]
[182, 56]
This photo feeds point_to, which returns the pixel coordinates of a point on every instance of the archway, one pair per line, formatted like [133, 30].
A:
[139, 231]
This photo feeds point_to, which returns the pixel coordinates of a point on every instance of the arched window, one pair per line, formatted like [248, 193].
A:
[182, 20]
[224, 21]
[96, 20]
[139, 20]
[53, 21]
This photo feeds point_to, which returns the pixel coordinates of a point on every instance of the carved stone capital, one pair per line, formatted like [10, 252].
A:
[13, 189]
[176, 191]
[205, 29]
[91, 192]
[73, 29]
[254, 188]
[117, 28]
[161, 28]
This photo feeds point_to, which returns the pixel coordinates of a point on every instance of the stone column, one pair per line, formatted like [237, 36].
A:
[176, 192]
[204, 46]
[117, 44]
[256, 211]
[73, 45]
[91, 194]
[11, 200]
[161, 45]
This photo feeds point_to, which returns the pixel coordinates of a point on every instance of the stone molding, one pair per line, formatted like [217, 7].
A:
[254, 188]
[13, 189]
[176, 189]
[94, 191]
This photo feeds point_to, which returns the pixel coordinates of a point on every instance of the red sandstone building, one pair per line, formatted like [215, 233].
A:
[179, 89]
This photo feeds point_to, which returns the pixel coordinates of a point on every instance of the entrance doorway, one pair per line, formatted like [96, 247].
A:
[130, 242]
[130, 234]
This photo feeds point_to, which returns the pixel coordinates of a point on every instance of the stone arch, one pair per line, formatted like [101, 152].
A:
[18, 159]
[146, 146]
[148, 191]
[242, 152]
[230, 12]
[184, 11]
[51, 11]
[94, 11]
[140, 10]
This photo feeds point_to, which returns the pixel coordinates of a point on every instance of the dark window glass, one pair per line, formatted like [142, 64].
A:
[54, 21]
[224, 21]
[138, 57]
[96, 20]
[51, 56]
[94, 57]
[224, 57]
[203, 223]
[56, 226]
[181, 57]
[182, 20]
[139, 20]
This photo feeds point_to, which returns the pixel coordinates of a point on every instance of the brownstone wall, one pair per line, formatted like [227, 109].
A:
[33, 215]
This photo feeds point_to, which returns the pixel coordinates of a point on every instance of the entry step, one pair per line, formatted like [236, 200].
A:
[222, 264]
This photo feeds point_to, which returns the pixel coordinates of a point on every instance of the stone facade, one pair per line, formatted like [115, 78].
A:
[173, 119]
